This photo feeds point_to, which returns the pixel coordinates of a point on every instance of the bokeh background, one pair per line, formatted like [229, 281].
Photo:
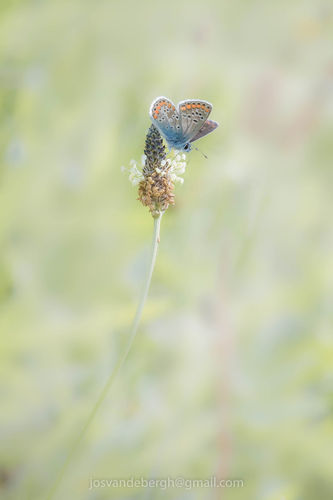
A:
[231, 372]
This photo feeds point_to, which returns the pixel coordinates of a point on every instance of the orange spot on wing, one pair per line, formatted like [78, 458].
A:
[183, 108]
[155, 115]
[188, 106]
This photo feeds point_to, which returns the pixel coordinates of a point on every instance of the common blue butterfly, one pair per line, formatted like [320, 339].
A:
[184, 124]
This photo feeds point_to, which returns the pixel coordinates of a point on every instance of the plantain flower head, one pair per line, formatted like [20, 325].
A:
[158, 174]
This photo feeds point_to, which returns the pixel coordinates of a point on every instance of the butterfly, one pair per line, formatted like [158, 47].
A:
[184, 124]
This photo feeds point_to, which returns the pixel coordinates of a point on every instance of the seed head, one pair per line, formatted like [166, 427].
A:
[158, 176]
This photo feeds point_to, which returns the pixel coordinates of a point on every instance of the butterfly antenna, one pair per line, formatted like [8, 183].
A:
[203, 154]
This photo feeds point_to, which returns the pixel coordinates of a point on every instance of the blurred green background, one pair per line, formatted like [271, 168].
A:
[231, 372]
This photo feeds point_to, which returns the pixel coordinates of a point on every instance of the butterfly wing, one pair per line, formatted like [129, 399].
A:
[166, 118]
[208, 127]
[193, 115]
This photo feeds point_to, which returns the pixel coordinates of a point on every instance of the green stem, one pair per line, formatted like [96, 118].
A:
[121, 361]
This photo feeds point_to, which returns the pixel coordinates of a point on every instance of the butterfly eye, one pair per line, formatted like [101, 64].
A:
[187, 147]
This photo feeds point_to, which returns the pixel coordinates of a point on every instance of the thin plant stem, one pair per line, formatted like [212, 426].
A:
[121, 361]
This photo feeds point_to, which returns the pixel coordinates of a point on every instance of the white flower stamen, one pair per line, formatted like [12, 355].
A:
[174, 166]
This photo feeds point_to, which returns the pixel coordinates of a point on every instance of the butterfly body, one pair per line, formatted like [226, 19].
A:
[184, 124]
